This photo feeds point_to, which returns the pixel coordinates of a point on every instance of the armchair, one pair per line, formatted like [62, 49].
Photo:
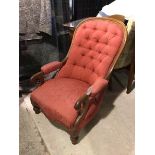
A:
[74, 95]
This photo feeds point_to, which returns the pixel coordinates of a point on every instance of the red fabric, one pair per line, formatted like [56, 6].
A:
[57, 98]
[93, 49]
[98, 86]
[52, 66]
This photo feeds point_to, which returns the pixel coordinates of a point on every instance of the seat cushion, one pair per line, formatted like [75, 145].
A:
[57, 98]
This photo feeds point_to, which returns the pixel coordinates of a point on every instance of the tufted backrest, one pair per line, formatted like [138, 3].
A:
[96, 45]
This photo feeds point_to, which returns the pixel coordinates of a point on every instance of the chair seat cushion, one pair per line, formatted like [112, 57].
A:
[57, 98]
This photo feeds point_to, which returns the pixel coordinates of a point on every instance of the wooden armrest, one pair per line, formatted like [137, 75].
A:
[37, 78]
[81, 102]
[81, 106]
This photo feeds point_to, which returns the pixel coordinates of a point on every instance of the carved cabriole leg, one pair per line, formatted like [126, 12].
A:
[74, 136]
[35, 107]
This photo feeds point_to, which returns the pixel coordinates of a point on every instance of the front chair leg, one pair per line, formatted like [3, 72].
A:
[74, 139]
[36, 109]
[74, 136]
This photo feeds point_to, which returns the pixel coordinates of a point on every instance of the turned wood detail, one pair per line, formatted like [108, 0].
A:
[37, 78]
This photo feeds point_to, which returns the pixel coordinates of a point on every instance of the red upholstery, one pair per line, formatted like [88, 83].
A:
[93, 49]
[57, 98]
[98, 86]
[52, 66]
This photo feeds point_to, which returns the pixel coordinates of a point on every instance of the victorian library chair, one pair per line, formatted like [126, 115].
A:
[74, 94]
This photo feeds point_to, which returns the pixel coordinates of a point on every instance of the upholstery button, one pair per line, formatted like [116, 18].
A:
[87, 37]
[91, 57]
[99, 51]
[90, 48]
[105, 30]
[114, 33]
[82, 54]
[74, 63]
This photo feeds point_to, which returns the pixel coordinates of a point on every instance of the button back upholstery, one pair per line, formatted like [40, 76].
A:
[95, 44]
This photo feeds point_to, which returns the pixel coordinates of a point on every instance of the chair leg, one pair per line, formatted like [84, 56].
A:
[36, 109]
[74, 136]
[74, 140]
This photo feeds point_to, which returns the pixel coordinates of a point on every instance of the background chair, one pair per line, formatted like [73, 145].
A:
[74, 95]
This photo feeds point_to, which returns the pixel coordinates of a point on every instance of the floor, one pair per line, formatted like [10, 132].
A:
[111, 132]
[31, 142]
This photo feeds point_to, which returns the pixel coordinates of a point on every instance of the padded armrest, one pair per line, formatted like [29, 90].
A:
[97, 87]
[92, 91]
[50, 67]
